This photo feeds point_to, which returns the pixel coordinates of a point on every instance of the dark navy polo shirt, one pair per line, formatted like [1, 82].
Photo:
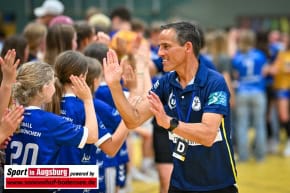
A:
[205, 168]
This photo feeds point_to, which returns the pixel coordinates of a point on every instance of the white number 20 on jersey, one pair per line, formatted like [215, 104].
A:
[20, 150]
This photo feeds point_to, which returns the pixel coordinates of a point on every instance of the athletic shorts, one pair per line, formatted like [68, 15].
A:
[121, 177]
[161, 144]
[283, 94]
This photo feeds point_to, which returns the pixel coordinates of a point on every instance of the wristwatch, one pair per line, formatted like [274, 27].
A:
[173, 124]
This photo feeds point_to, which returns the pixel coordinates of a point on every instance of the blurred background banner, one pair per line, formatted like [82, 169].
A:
[266, 14]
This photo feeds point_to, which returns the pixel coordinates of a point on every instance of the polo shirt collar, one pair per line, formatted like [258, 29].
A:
[200, 77]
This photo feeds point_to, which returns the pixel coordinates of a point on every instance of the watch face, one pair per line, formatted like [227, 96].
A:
[173, 124]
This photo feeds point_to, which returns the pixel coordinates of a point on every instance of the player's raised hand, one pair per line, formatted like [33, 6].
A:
[10, 121]
[80, 88]
[9, 66]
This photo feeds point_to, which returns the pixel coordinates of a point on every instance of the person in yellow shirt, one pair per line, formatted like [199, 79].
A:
[281, 71]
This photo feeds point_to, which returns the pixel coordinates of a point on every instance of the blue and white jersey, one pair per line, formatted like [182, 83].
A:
[72, 109]
[111, 119]
[41, 136]
[104, 94]
[204, 168]
[249, 66]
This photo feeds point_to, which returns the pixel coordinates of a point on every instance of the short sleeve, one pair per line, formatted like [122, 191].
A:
[217, 98]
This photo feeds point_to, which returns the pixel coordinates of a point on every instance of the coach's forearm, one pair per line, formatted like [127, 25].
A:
[128, 113]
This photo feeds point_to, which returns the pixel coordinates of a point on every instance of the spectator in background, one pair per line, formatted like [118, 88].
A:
[275, 44]
[59, 38]
[281, 72]
[153, 33]
[233, 36]
[61, 19]
[202, 59]
[91, 11]
[102, 26]
[35, 34]
[19, 44]
[121, 20]
[48, 10]
[139, 26]
[248, 64]
[217, 53]
[97, 51]
[272, 120]
[100, 22]
[85, 34]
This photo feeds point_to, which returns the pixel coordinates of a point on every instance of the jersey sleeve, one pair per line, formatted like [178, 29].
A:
[68, 134]
[217, 98]
[104, 134]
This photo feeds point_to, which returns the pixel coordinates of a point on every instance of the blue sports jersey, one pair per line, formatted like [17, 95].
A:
[204, 168]
[249, 65]
[72, 109]
[111, 119]
[104, 94]
[41, 136]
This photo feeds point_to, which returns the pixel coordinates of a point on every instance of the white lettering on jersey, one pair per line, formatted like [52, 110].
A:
[29, 132]
[173, 137]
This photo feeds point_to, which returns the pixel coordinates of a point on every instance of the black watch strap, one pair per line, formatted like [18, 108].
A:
[173, 124]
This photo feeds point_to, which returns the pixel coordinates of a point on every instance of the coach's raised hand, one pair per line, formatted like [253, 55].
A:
[112, 69]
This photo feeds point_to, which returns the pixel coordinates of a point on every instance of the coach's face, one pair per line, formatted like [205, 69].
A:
[171, 52]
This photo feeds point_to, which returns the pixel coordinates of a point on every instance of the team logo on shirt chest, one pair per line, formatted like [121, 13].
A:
[196, 106]
[171, 101]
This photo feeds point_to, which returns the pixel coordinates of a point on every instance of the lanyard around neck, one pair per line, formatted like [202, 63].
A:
[178, 110]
